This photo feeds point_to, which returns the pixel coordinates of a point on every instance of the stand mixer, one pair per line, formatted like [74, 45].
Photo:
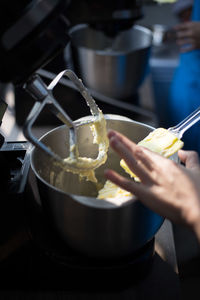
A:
[33, 32]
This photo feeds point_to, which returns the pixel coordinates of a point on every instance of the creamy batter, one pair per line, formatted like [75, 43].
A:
[84, 166]
[113, 193]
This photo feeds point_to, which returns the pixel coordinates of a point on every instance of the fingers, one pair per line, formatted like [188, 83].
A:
[119, 180]
[141, 161]
[186, 36]
[137, 189]
[112, 135]
[189, 158]
[182, 26]
[144, 193]
[185, 29]
[156, 188]
[185, 41]
[128, 150]
[187, 48]
[183, 34]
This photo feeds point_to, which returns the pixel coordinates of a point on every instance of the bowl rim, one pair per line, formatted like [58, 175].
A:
[107, 52]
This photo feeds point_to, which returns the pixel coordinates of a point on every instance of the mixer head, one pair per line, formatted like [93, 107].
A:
[108, 16]
[33, 32]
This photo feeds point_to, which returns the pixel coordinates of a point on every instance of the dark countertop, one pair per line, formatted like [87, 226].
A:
[28, 272]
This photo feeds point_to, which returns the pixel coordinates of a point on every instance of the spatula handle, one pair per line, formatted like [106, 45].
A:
[184, 125]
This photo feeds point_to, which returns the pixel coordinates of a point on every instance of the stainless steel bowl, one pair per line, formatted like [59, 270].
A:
[94, 227]
[116, 66]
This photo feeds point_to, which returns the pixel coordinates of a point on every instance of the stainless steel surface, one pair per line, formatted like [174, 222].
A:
[89, 225]
[163, 35]
[116, 66]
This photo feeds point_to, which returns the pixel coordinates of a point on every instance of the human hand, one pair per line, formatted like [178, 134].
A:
[188, 36]
[169, 189]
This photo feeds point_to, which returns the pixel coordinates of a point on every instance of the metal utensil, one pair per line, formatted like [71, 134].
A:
[188, 122]
[115, 67]
[44, 97]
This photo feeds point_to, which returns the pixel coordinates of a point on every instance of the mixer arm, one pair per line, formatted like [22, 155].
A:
[33, 115]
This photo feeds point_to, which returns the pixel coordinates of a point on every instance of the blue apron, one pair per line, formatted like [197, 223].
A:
[185, 91]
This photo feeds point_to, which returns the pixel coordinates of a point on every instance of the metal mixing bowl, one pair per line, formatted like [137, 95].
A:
[91, 226]
[116, 66]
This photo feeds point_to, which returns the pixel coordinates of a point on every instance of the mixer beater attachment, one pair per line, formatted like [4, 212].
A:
[44, 97]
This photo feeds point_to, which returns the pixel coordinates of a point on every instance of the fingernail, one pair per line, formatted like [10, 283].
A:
[113, 140]
[111, 133]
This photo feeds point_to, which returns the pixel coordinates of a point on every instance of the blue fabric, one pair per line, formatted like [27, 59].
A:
[185, 91]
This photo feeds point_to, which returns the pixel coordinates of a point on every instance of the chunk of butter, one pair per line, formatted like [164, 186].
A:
[161, 141]
[113, 193]
[127, 170]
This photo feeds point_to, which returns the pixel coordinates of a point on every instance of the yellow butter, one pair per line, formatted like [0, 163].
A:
[114, 193]
[160, 141]
[85, 166]
[127, 170]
